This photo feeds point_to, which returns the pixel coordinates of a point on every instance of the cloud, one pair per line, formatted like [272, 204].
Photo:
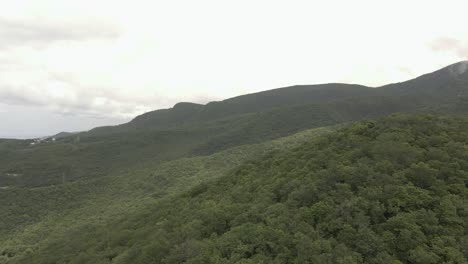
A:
[63, 98]
[40, 32]
[66, 94]
[83, 58]
[456, 47]
[447, 44]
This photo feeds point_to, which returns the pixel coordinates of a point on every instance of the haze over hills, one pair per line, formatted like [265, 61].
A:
[450, 81]
[185, 113]
[290, 175]
[191, 129]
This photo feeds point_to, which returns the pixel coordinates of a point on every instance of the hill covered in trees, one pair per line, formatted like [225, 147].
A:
[387, 191]
[189, 129]
[291, 175]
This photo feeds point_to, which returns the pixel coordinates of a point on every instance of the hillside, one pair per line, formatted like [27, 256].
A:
[386, 191]
[259, 178]
[31, 214]
[449, 83]
[186, 113]
[190, 129]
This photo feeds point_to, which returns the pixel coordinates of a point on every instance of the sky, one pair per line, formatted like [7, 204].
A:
[75, 65]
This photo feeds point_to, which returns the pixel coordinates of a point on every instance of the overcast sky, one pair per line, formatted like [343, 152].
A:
[74, 65]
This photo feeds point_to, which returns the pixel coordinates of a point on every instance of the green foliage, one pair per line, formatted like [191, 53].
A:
[205, 184]
[386, 191]
[32, 217]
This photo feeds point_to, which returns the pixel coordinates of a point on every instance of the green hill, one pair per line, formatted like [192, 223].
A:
[190, 129]
[186, 113]
[386, 191]
[259, 178]
[31, 214]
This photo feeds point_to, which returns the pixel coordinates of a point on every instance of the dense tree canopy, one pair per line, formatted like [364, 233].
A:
[387, 191]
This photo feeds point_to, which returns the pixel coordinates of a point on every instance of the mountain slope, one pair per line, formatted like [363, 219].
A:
[289, 96]
[449, 82]
[386, 191]
[33, 218]
[191, 129]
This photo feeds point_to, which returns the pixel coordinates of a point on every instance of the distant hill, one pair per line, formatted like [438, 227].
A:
[446, 84]
[289, 96]
[63, 135]
[190, 129]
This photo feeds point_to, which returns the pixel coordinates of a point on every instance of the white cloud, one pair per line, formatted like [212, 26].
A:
[39, 32]
[115, 59]
[459, 47]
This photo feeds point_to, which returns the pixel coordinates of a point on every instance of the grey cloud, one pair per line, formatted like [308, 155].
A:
[15, 33]
[6, 62]
[108, 95]
[16, 96]
[447, 44]
[77, 99]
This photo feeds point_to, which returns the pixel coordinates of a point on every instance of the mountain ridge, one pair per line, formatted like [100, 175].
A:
[189, 112]
[304, 94]
[193, 129]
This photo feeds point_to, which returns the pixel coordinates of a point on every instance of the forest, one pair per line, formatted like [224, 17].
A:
[331, 173]
[392, 190]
